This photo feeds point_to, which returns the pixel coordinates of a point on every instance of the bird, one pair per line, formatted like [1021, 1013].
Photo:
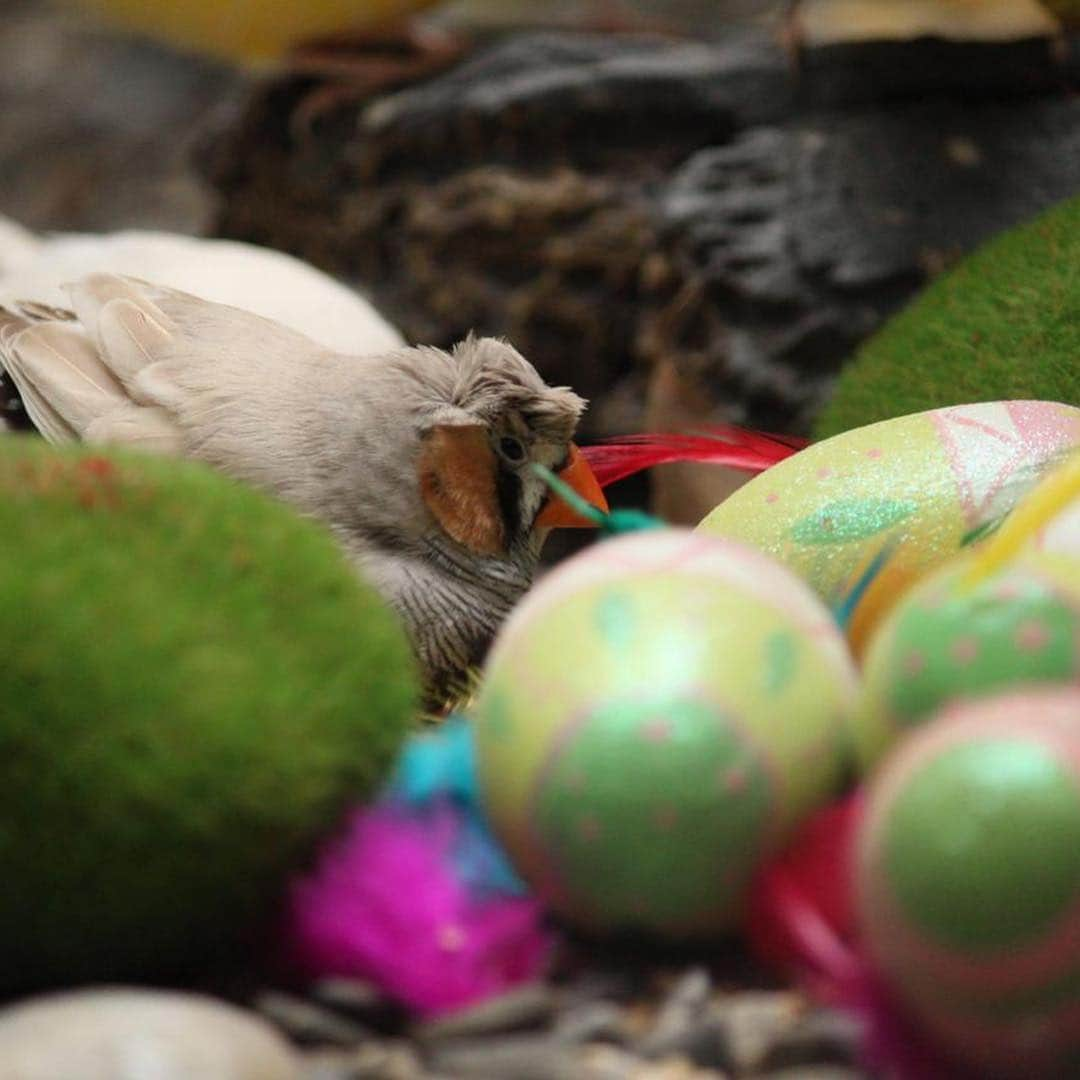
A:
[419, 460]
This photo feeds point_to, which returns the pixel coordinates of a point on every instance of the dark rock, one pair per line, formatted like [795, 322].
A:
[523, 1057]
[608, 202]
[679, 1015]
[361, 1001]
[514, 195]
[822, 1036]
[754, 1024]
[349, 995]
[871, 71]
[307, 1022]
[372, 1061]
[815, 1072]
[611, 1063]
[881, 198]
[598, 1021]
[703, 1042]
[603, 1062]
[523, 1007]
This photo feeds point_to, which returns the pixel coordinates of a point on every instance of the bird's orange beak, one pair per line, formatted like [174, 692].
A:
[577, 474]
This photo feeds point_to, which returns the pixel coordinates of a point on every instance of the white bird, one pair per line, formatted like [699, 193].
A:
[417, 459]
[266, 282]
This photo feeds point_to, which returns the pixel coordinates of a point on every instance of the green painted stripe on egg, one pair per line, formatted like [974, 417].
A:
[654, 811]
[982, 845]
[851, 519]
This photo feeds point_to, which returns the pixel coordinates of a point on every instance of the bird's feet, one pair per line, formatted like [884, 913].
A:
[352, 67]
[830, 22]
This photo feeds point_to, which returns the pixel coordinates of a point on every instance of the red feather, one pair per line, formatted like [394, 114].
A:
[737, 448]
[802, 917]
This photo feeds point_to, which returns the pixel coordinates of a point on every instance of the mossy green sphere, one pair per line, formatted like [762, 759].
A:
[194, 686]
[1003, 324]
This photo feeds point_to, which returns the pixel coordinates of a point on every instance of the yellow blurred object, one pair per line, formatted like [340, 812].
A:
[249, 30]
[820, 22]
[1045, 501]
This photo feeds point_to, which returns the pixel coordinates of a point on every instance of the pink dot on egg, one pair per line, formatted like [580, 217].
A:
[656, 731]
[772, 497]
[734, 780]
[874, 453]
[1032, 635]
[824, 473]
[588, 828]
[915, 662]
[964, 650]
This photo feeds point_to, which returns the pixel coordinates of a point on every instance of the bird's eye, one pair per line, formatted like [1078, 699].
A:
[513, 450]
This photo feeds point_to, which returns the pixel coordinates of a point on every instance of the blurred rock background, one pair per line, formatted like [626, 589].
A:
[682, 219]
[96, 129]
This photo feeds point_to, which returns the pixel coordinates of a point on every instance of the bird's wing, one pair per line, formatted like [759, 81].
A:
[77, 375]
[179, 351]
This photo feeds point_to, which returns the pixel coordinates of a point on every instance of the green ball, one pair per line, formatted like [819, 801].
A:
[968, 881]
[947, 639]
[1003, 324]
[194, 686]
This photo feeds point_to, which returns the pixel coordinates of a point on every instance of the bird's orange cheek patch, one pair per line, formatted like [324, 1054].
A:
[457, 482]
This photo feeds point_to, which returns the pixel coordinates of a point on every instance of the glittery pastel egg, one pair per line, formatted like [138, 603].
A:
[657, 715]
[914, 488]
[951, 637]
[968, 881]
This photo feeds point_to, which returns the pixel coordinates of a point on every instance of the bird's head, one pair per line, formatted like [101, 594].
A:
[488, 418]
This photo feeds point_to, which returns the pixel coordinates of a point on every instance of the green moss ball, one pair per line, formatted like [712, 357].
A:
[1003, 324]
[194, 684]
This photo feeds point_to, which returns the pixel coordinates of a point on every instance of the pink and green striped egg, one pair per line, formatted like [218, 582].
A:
[968, 881]
[952, 638]
[655, 718]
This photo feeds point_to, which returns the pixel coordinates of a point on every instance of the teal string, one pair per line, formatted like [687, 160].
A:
[611, 524]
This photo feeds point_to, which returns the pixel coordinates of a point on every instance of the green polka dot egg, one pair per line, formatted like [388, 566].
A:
[952, 637]
[916, 488]
[968, 881]
[654, 718]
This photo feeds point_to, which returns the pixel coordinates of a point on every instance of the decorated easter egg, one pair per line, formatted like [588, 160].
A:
[968, 881]
[656, 716]
[910, 491]
[955, 635]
